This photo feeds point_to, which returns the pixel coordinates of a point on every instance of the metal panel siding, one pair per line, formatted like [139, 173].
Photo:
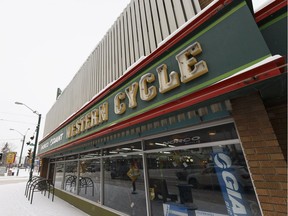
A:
[108, 63]
[134, 29]
[130, 34]
[179, 13]
[163, 20]
[123, 44]
[137, 32]
[106, 51]
[197, 6]
[139, 28]
[150, 26]
[126, 40]
[119, 57]
[144, 29]
[97, 62]
[156, 22]
[114, 51]
[189, 9]
[102, 66]
[90, 77]
[170, 15]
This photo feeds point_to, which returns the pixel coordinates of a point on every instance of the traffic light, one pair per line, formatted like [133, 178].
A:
[29, 153]
[1, 155]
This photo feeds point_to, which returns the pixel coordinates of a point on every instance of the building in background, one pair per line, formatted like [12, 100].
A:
[193, 93]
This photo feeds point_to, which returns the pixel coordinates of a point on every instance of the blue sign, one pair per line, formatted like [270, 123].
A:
[232, 190]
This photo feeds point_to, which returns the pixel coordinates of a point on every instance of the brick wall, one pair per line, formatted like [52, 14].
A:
[264, 156]
[278, 118]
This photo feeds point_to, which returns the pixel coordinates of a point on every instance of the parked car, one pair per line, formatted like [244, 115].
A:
[208, 177]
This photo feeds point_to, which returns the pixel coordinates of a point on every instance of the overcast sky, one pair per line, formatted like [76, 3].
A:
[43, 43]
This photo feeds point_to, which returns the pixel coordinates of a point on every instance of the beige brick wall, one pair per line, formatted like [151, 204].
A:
[263, 153]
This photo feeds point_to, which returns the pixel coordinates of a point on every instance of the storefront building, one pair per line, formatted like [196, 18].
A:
[196, 127]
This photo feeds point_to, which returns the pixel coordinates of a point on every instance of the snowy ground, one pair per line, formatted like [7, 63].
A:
[13, 202]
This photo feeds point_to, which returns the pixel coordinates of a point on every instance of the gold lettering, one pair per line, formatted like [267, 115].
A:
[83, 125]
[103, 112]
[78, 126]
[119, 107]
[164, 84]
[94, 117]
[131, 93]
[74, 130]
[88, 121]
[189, 67]
[146, 93]
[68, 131]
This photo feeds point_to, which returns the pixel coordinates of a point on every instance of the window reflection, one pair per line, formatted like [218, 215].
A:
[59, 175]
[123, 149]
[202, 181]
[70, 183]
[89, 181]
[192, 180]
[124, 188]
[212, 134]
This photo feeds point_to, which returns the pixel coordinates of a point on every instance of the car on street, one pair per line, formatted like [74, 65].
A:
[208, 177]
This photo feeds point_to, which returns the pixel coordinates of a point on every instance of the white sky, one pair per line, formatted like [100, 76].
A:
[43, 43]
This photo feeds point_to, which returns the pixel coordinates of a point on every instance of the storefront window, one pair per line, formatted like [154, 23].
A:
[123, 149]
[89, 181]
[203, 181]
[197, 172]
[90, 155]
[59, 174]
[206, 135]
[72, 157]
[70, 181]
[124, 184]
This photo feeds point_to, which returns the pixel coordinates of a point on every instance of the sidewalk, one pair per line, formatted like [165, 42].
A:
[14, 202]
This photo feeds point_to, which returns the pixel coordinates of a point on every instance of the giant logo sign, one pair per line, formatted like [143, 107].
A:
[230, 187]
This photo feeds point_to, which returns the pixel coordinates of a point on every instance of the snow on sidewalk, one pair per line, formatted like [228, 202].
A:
[14, 202]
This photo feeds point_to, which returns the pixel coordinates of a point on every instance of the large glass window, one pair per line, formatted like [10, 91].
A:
[205, 135]
[89, 181]
[59, 174]
[207, 181]
[199, 172]
[70, 183]
[124, 180]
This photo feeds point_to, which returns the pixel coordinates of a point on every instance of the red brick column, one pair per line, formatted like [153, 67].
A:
[263, 153]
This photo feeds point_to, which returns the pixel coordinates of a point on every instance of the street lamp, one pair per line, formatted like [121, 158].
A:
[36, 138]
[19, 163]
